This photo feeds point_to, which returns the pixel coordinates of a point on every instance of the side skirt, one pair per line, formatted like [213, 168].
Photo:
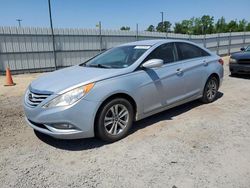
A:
[142, 116]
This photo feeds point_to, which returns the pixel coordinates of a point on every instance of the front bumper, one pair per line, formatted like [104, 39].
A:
[81, 115]
[239, 68]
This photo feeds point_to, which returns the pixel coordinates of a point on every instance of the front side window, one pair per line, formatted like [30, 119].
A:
[119, 57]
[166, 52]
[189, 51]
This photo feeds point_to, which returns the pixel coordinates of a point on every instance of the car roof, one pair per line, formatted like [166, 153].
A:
[158, 42]
[152, 42]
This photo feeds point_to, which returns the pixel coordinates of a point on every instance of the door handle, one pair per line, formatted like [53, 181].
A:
[179, 72]
[205, 63]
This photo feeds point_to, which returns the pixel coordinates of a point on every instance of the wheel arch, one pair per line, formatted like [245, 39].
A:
[114, 96]
[216, 76]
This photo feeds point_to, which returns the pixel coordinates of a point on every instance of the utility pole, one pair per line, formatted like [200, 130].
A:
[19, 22]
[166, 25]
[229, 42]
[137, 31]
[52, 34]
[162, 27]
[100, 34]
[244, 38]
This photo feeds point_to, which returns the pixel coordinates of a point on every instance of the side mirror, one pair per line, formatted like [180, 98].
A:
[242, 49]
[153, 63]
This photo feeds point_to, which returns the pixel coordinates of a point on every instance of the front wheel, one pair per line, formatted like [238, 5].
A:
[114, 120]
[210, 90]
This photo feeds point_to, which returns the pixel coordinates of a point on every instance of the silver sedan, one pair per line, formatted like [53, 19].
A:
[105, 95]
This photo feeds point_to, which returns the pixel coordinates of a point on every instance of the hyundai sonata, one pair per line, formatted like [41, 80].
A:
[105, 95]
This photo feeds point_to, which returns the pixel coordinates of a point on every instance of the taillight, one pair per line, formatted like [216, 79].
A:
[221, 62]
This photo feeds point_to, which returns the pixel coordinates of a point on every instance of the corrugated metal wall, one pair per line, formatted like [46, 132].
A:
[30, 49]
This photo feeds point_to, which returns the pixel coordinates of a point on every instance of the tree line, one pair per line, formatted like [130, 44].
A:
[201, 25]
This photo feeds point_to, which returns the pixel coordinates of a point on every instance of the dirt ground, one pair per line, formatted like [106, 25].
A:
[193, 145]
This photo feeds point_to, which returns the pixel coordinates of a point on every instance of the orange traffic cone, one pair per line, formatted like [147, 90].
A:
[9, 81]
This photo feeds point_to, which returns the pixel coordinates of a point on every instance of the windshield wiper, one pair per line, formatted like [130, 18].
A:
[99, 66]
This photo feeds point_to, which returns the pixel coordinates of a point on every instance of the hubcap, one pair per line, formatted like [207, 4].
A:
[116, 119]
[211, 89]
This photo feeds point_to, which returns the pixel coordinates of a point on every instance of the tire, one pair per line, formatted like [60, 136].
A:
[114, 120]
[233, 74]
[210, 90]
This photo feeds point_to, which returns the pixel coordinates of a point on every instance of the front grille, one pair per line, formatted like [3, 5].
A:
[244, 61]
[34, 99]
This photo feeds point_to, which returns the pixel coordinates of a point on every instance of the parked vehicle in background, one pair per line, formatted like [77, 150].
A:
[105, 95]
[239, 63]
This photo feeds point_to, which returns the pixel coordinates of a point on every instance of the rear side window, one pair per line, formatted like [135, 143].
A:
[189, 51]
[166, 52]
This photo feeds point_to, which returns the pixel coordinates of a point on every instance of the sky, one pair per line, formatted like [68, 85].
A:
[116, 13]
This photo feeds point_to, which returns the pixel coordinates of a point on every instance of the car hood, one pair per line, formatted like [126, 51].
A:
[67, 78]
[241, 55]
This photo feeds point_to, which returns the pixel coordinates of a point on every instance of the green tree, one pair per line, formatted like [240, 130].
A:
[232, 26]
[188, 25]
[207, 24]
[125, 28]
[221, 25]
[163, 27]
[203, 25]
[242, 25]
[184, 27]
[248, 27]
[178, 28]
[197, 26]
[151, 28]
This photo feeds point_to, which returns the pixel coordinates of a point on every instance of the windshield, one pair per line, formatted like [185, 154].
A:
[248, 49]
[119, 57]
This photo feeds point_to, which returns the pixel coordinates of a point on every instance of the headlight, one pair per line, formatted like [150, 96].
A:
[232, 60]
[70, 97]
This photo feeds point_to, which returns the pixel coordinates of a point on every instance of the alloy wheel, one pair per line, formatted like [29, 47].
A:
[211, 89]
[116, 119]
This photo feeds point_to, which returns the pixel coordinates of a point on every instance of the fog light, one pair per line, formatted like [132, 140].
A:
[62, 126]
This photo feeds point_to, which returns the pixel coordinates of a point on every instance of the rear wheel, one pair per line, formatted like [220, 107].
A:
[114, 120]
[210, 90]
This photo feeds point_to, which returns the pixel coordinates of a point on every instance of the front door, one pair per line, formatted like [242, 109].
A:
[165, 85]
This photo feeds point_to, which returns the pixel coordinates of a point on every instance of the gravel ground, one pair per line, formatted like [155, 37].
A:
[193, 145]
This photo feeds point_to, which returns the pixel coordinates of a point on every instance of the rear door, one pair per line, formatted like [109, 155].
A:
[194, 67]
